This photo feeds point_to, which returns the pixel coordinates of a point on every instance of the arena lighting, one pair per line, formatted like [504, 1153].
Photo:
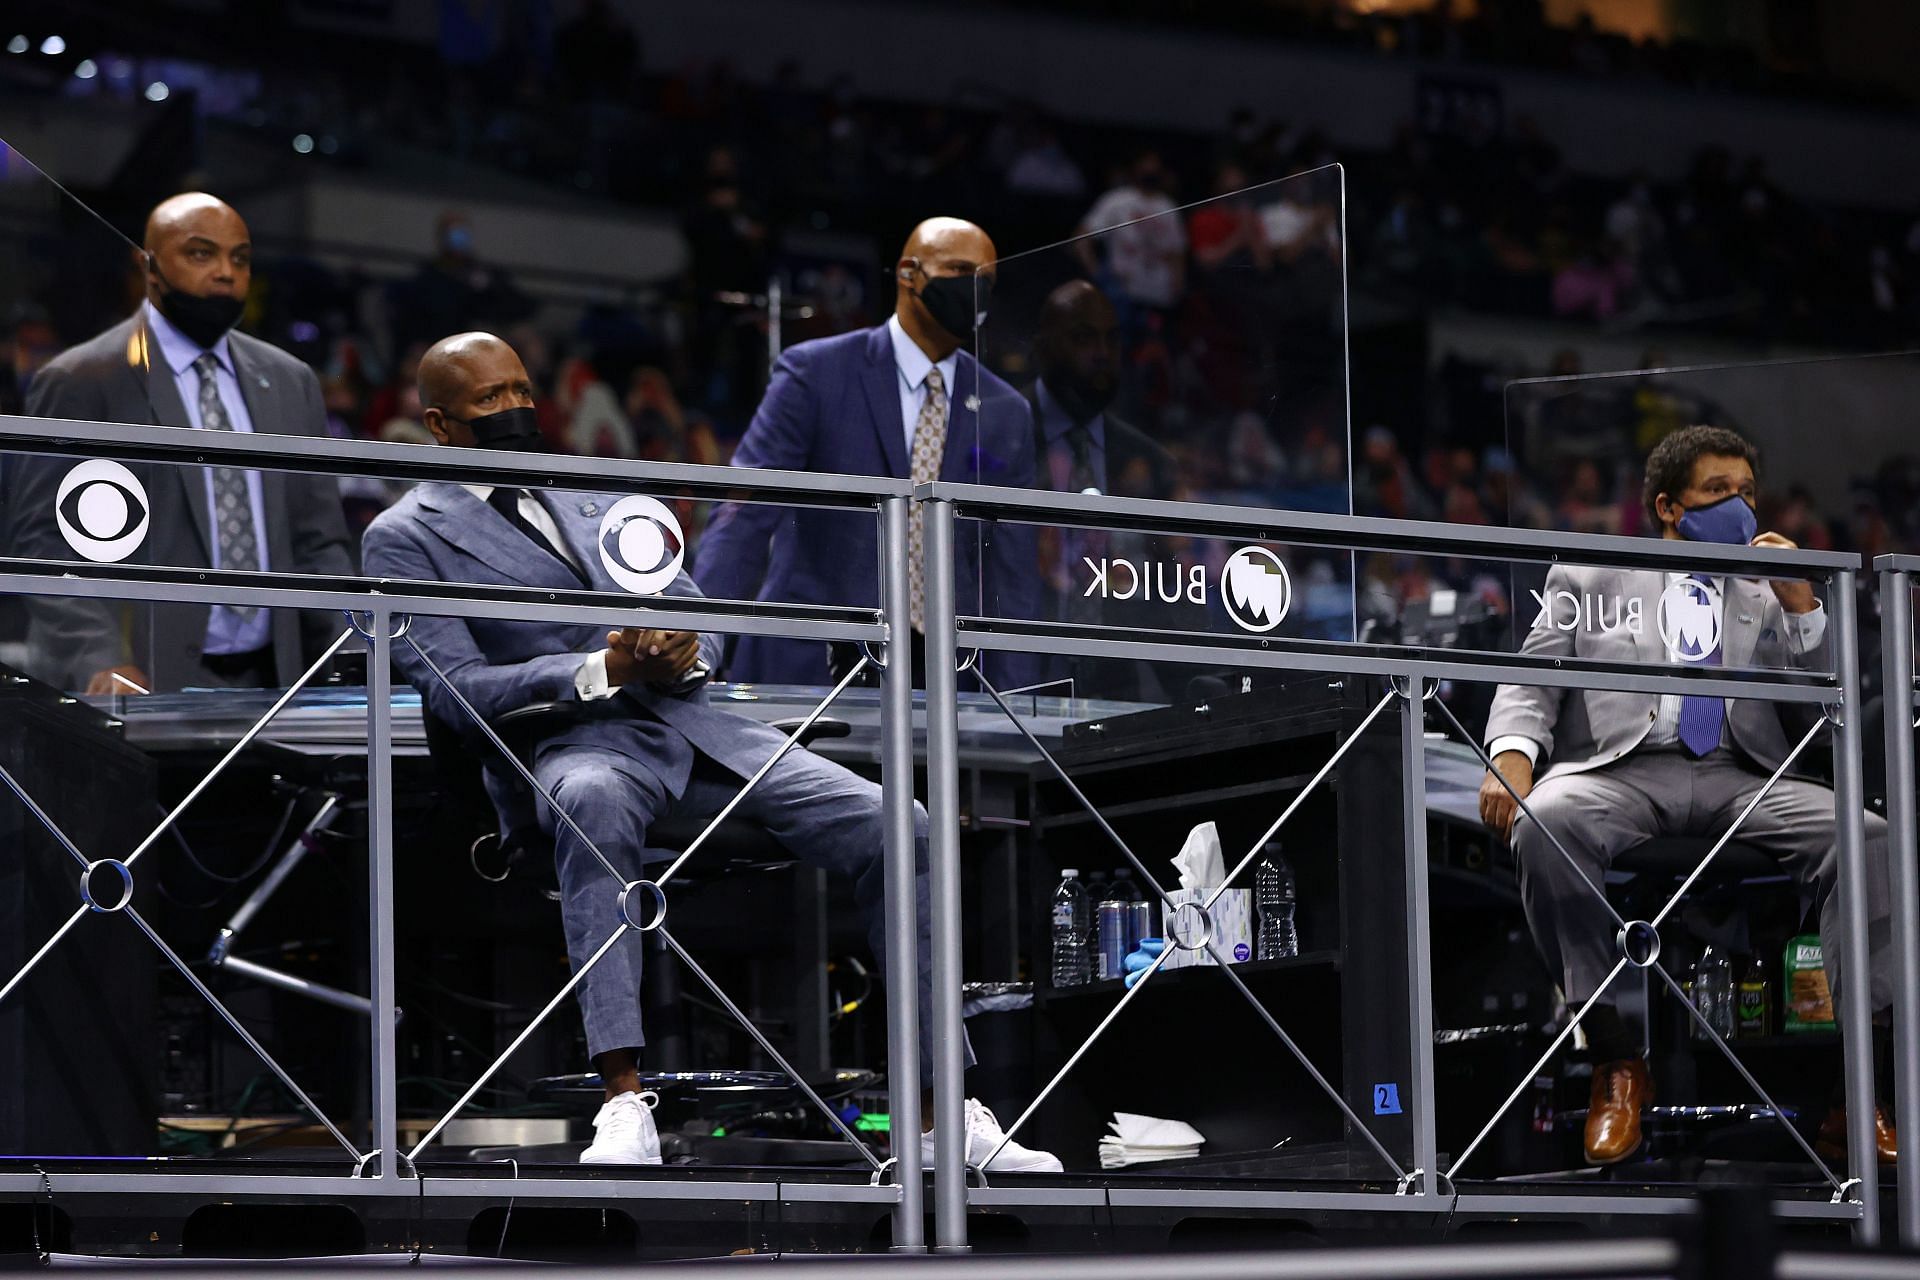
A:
[53, 46]
[157, 91]
[303, 143]
[87, 69]
[19, 44]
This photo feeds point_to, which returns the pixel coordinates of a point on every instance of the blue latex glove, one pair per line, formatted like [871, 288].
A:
[1138, 962]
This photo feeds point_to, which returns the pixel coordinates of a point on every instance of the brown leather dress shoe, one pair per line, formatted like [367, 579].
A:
[1620, 1089]
[1832, 1140]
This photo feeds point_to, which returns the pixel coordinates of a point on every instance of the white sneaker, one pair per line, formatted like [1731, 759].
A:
[624, 1133]
[983, 1135]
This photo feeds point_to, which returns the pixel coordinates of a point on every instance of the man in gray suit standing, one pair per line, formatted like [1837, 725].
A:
[644, 741]
[1626, 767]
[177, 362]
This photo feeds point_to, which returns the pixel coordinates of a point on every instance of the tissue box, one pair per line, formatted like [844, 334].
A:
[1232, 927]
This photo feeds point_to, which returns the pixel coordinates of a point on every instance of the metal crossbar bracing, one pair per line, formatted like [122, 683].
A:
[1412, 680]
[375, 1166]
[381, 612]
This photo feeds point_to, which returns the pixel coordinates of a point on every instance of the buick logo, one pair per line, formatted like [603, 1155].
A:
[101, 508]
[1689, 619]
[1255, 589]
[640, 544]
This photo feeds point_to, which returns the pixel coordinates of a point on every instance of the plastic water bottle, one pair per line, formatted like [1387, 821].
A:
[1274, 892]
[1713, 990]
[1070, 929]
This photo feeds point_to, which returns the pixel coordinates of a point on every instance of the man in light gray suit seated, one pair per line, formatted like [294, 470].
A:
[648, 744]
[1627, 767]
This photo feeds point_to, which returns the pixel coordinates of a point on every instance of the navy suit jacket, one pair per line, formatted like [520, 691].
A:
[834, 406]
[442, 533]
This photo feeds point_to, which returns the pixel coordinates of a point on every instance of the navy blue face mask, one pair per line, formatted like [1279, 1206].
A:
[1730, 521]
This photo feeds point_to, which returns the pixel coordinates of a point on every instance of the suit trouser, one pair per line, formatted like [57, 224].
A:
[1602, 812]
[818, 811]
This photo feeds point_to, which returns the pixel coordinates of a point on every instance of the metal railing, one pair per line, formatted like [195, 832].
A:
[1411, 676]
[1898, 577]
[379, 610]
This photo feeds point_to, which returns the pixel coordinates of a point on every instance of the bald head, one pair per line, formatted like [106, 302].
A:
[941, 249]
[468, 376]
[1077, 349]
[949, 239]
[197, 245]
[1076, 301]
[190, 213]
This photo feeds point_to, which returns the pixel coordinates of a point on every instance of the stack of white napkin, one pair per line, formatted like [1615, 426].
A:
[1146, 1139]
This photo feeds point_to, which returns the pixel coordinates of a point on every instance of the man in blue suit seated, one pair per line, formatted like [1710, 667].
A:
[646, 745]
[904, 399]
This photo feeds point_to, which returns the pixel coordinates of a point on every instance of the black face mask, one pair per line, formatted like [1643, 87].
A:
[516, 429]
[950, 300]
[204, 320]
[1080, 400]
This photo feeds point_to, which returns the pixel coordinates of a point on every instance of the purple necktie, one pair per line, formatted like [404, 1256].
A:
[1701, 718]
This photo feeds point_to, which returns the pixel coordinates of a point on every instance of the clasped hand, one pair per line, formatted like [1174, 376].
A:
[642, 655]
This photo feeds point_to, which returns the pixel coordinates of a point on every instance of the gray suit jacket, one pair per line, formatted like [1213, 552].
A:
[1581, 729]
[442, 533]
[120, 376]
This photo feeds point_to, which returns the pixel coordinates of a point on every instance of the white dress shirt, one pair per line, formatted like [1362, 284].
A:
[913, 364]
[590, 681]
[225, 632]
[1807, 628]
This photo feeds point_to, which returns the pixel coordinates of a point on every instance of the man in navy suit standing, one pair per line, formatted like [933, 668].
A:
[906, 399]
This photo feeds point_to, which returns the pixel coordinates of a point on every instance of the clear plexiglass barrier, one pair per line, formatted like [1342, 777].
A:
[1192, 353]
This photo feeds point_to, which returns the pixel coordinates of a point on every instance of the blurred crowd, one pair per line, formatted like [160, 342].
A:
[1503, 33]
[1233, 311]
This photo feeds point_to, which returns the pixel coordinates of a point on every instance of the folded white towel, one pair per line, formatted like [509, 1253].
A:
[1138, 1139]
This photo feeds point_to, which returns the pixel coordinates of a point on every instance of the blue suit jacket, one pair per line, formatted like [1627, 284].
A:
[442, 533]
[834, 406]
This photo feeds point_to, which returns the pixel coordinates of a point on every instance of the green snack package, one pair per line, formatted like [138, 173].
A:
[1808, 1003]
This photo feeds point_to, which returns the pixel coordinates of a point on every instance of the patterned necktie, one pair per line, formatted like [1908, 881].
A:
[236, 543]
[1081, 477]
[929, 447]
[1702, 718]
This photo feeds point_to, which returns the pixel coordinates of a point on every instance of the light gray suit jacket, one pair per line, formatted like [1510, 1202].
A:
[120, 376]
[1579, 729]
[441, 533]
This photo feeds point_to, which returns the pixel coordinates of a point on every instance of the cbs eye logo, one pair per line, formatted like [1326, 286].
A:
[640, 544]
[102, 511]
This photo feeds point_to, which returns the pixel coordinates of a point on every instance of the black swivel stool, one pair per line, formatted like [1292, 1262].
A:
[735, 848]
[1657, 868]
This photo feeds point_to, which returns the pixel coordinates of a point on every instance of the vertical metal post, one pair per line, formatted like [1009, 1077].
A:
[775, 305]
[903, 913]
[380, 928]
[1413, 802]
[943, 812]
[1896, 642]
[1856, 1005]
